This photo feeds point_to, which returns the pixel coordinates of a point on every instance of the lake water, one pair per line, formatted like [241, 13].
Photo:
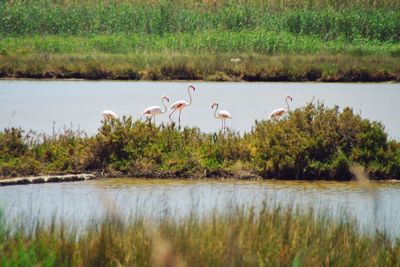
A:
[46, 105]
[79, 203]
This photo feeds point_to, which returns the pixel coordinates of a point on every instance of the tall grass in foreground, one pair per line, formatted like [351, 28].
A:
[269, 237]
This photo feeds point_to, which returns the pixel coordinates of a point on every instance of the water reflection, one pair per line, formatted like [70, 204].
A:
[80, 203]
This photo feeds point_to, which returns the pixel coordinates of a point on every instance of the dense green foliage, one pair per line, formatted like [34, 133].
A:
[314, 142]
[215, 41]
[27, 154]
[45, 17]
[94, 35]
[271, 236]
[319, 142]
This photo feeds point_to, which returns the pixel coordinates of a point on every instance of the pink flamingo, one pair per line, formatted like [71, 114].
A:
[279, 112]
[155, 110]
[223, 115]
[109, 115]
[181, 104]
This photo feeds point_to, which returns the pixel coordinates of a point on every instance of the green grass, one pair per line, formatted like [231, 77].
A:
[269, 237]
[259, 41]
[314, 142]
[266, 56]
[49, 17]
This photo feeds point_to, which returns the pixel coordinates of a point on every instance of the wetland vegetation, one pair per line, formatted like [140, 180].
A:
[266, 237]
[297, 40]
[313, 142]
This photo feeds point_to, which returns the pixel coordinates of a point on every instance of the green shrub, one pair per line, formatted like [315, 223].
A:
[318, 142]
[12, 143]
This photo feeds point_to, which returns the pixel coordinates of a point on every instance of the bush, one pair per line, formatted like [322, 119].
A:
[137, 148]
[316, 142]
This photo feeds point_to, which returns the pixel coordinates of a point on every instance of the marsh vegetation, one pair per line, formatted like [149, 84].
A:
[241, 237]
[313, 142]
[276, 40]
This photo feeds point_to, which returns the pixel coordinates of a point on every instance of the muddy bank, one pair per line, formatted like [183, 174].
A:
[47, 179]
[352, 75]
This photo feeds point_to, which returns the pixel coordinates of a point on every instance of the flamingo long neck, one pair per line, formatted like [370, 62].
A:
[165, 105]
[215, 112]
[287, 104]
[190, 96]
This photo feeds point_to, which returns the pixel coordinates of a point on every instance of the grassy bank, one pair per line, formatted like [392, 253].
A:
[276, 40]
[314, 142]
[265, 56]
[270, 237]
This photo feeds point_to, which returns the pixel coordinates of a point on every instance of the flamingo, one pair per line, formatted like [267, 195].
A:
[279, 112]
[223, 115]
[181, 104]
[155, 110]
[109, 115]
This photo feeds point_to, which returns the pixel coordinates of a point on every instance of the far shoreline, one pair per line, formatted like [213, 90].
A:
[394, 81]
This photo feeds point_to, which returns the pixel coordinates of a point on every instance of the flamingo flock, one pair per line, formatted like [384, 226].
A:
[223, 115]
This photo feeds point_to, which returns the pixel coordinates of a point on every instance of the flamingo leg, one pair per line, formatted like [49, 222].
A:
[179, 124]
[171, 115]
[154, 119]
[222, 124]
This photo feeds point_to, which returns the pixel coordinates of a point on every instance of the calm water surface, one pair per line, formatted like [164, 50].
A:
[79, 203]
[44, 105]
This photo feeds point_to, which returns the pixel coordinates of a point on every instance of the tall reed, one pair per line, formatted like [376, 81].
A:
[52, 17]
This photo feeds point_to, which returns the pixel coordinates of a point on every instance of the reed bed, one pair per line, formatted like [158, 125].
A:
[240, 237]
[47, 17]
[258, 41]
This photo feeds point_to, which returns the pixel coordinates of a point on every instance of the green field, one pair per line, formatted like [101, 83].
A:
[275, 40]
